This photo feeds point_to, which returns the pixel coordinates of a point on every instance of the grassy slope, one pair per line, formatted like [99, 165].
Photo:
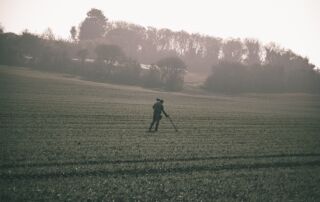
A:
[63, 138]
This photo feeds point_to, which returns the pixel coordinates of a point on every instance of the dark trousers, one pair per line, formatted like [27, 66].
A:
[156, 120]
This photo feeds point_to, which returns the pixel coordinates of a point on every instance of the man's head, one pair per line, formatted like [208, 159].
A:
[160, 100]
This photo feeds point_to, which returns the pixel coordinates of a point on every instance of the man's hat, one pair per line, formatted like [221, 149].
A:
[159, 100]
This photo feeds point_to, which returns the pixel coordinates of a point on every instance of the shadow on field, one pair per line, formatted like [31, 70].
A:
[127, 169]
[163, 160]
[161, 170]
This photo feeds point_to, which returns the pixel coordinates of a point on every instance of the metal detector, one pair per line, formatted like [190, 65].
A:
[174, 126]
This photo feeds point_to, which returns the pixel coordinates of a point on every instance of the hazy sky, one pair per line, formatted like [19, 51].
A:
[294, 24]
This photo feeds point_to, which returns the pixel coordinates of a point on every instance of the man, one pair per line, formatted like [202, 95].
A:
[157, 110]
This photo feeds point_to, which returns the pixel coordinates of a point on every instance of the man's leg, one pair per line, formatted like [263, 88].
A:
[153, 121]
[157, 124]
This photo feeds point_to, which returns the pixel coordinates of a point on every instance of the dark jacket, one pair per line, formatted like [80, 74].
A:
[157, 109]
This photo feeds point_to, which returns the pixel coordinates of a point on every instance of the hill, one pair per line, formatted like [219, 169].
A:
[63, 138]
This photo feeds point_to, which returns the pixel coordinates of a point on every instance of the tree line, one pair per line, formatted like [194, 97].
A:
[108, 51]
[92, 60]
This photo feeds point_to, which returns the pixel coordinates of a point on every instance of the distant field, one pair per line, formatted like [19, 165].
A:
[63, 139]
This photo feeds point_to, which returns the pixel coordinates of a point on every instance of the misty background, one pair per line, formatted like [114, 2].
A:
[121, 52]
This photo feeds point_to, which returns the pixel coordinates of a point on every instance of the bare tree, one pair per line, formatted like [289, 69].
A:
[233, 51]
[48, 34]
[253, 52]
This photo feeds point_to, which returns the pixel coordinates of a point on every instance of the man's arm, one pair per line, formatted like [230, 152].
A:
[164, 112]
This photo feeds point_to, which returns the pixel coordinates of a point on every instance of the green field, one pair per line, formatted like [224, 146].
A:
[63, 139]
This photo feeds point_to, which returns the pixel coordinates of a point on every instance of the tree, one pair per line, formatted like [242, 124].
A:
[10, 52]
[253, 52]
[233, 51]
[275, 56]
[127, 73]
[152, 77]
[30, 45]
[109, 54]
[1, 29]
[172, 72]
[48, 34]
[229, 77]
[93, 26]
[73, 33]
[82, 54]
[128, 38]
